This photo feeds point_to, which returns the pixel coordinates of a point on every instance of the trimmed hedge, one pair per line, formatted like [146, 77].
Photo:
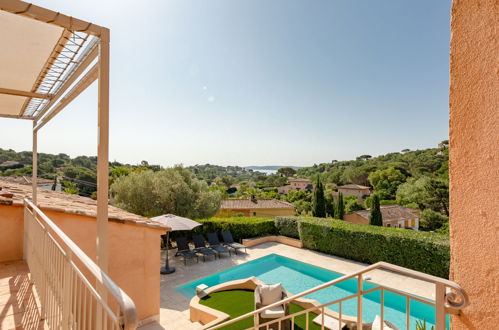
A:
[422, 251]
[240, 227]
[287, 226]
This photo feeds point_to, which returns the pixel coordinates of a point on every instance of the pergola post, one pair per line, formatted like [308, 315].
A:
[103, 153]
[34, 166]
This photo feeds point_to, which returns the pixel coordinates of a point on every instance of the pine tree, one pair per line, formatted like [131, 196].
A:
[330, 206]
[375, 218]
[318, 201]
[340, 207]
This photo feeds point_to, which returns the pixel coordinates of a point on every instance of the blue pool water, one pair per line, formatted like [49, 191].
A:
[297, 277]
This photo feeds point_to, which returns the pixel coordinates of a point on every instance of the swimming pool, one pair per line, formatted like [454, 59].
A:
[297, 277]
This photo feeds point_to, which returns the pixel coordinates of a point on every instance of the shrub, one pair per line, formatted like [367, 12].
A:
[431, 220]
[287, 226]
[240, 227]
[425, 252]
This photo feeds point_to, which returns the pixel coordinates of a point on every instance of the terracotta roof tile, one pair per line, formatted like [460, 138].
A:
[67, 203]
[235, 204]
[391, 212]
[353, 186]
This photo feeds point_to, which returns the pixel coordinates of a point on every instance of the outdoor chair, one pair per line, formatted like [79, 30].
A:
[216, 245]
[184, 250]
[229, 241]
[375, 325]
[200, 247]
[265, 295]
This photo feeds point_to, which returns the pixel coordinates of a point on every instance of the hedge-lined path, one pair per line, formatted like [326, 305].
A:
[174, 312]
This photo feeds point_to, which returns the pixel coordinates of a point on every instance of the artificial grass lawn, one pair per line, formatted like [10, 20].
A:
[239, 302]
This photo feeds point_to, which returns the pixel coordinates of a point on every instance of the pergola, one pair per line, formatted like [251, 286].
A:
[46, 60]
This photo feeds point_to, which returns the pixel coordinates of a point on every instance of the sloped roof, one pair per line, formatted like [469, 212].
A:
[242, 204]
[48, 200]
[298, 180]
[25, 180]
[353, 186]
[391, 213]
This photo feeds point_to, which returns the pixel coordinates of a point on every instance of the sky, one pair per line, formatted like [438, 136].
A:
[259, 82]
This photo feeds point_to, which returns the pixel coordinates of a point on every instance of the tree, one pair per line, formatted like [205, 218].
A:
[375, 218]
[286, 171]
[386, 182]
[352, 204]
[70, 188]
[318, 201]
[364, 157]
[329, 205]
[340, 207]
[173, 190]
[444, 144]
[426, 192]
[431, 220]
[438, 195]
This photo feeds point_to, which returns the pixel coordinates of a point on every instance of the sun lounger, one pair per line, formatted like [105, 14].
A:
[229, 241]
[200, 247]
[216, 245]
[184, 250]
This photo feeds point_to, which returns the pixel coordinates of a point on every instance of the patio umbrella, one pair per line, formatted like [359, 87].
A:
[176, 223]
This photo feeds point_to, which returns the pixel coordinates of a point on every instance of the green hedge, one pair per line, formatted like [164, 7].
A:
[240, 227]
[422, 251]
[287, 226]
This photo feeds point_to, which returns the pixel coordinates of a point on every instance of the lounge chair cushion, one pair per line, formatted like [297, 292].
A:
[273, 313]
[329, 322]
[376, 325]
[270, 293]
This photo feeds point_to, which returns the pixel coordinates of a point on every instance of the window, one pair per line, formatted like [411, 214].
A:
[254, 214]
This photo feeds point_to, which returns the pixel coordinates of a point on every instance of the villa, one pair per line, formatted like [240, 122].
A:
[362, 192]
[255, 207]
[393, 216]
[298, 184]
[69, 262]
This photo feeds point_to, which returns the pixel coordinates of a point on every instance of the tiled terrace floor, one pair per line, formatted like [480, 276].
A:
[19, 305]
[174, 312]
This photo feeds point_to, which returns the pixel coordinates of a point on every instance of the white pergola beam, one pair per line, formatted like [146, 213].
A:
[82, 84]
[16, 92]
[71, 79]
[51, 17]
[103, 154]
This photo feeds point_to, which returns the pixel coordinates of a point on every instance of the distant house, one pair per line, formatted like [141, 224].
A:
[393, 216]
[10, 164]
[26, 180]
[255, 207]
[296, 184]
[362, 192]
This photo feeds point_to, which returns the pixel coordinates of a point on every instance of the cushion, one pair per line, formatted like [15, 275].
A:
[329, 322]
[273, 313]
[377, 324]
[270, 293]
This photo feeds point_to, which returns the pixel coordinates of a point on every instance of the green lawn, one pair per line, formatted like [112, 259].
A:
[239, 302]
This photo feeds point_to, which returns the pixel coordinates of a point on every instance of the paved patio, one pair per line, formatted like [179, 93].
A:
[19, 304]
[174, 312]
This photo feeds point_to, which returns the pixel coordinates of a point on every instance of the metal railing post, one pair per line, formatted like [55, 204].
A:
[359, 302]
[439, 306]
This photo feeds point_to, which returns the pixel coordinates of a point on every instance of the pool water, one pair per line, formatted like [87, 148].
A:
[297, 277]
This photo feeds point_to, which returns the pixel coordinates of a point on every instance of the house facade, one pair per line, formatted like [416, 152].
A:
[133, 240]
[255, 207]
[298, 184]
[362, 192]
[393, 216]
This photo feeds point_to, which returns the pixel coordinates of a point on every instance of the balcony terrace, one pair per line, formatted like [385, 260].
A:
[66, 263]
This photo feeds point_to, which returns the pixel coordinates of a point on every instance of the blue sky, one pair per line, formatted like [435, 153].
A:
[259, 82]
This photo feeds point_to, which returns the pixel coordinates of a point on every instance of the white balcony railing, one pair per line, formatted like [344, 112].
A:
[449, 299]
[74, 292]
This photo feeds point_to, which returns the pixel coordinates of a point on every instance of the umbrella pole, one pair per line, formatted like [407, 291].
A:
[166, 268]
